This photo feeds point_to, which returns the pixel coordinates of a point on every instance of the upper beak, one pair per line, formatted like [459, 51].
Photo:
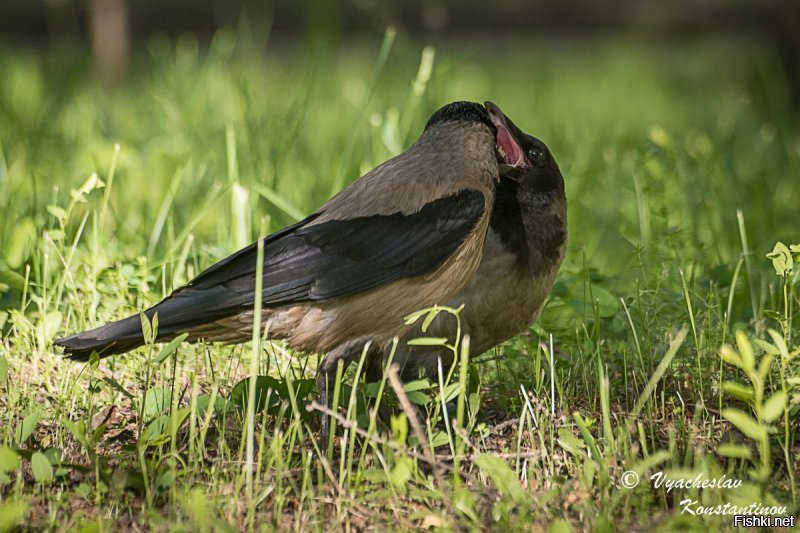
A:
[509, 151]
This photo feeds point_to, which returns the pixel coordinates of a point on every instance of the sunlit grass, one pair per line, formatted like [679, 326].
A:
[681, 176]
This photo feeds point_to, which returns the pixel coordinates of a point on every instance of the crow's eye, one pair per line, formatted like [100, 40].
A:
[535, 155]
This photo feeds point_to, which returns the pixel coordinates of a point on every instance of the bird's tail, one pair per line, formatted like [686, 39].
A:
[110, 339]
[190, 309]
[220, 292]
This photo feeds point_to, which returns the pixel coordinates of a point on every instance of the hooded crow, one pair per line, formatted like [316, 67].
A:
[524, 248]
[407, 235]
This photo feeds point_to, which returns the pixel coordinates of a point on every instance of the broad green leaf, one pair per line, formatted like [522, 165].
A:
[503, 477]
[77, 429]
[780, 343]
[48, 325]
[399, 425]
[744, 423]
[760, 474]
[178, 418]
[54, 455]
[9, 460]
[607, 303]
[12, 513]
[560, 526]
[198, 506]
[156, 402]
[730, 356]
[418, 398]
[570, 442]
[603, 524]
[155, 432]
[147, 330]
[42, 469]
[782, 260]
[767, 347]
[739, 391]
[584, 300]
[55, 235]
[764, 365]
[417, 384]
[439, 438]
[589, 473]
[464, 501]
[774, 406]
[12, 279]
[450, 391]
[660, 137]
[27, 427]
[57, 212]
[160, 429]
[272, 389]
[401, 473]
[17, 247]
[735, 451]
[371, 389]
[583, 426]
[203, 401]
[166, 480]
[474, 402]
[745, 351]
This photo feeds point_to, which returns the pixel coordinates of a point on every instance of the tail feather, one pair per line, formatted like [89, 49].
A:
[110, 339]
[220, 292]
[189, 309]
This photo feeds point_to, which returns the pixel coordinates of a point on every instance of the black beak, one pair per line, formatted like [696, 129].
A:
[509, 150]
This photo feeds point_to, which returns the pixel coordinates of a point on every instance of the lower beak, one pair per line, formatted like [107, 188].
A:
[509, 151]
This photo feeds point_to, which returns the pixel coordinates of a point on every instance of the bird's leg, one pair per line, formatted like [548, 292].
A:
[322, 386]
[346, 353]
[374, 374]
[404, 355]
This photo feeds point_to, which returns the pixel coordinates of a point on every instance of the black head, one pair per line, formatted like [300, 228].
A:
[530, 212]
[461, 112]
[522, 157]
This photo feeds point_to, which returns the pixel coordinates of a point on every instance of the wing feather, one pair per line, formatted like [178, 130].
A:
[306, 262]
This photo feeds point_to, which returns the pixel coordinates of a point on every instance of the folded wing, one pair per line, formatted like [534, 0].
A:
[306, 262]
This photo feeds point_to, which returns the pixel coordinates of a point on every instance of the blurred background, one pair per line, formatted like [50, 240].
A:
[142, 140]
[115, 29]
[181, 129]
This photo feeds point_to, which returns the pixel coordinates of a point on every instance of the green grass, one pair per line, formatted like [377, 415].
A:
[675, 337]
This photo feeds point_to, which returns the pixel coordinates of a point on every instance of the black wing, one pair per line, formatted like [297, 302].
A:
[342, 257]
[308, 263]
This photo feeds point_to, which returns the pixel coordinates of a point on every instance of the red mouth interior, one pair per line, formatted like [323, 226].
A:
[510, 151]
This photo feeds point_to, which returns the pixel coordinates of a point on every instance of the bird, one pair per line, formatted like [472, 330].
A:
[524, 248]
[407, 235]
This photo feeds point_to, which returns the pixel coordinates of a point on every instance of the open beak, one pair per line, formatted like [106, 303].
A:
[509, 151]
